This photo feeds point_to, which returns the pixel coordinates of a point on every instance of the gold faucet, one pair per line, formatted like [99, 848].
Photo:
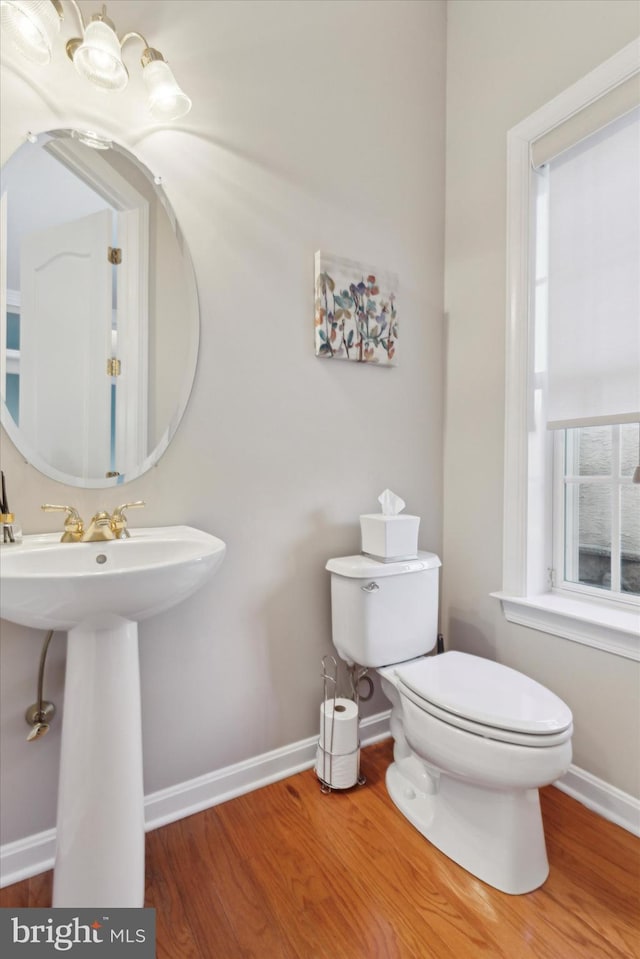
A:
[119, 520]
[99, 529]
[73, 525]
[102, 526]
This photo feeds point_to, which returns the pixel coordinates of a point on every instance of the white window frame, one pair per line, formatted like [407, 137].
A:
[528, 596]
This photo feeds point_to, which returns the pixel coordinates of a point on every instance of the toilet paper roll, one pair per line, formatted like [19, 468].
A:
[339, 725]
[339, 772]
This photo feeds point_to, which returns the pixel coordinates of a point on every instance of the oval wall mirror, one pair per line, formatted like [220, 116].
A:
[99, 323]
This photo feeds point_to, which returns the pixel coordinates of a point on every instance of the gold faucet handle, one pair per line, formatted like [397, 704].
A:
[119, 520]
[73, 525]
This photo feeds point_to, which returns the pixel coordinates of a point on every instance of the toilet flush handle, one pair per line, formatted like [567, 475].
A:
[370, 587]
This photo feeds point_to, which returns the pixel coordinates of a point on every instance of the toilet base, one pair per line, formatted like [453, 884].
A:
[495, 835]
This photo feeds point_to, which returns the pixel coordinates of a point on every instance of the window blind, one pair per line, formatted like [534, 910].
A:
[618, 101]
[594, 278]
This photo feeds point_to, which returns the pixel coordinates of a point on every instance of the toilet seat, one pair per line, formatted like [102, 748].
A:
[488, 732]
[486, 698]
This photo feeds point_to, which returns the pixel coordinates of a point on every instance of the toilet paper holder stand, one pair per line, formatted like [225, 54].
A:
[357, 676]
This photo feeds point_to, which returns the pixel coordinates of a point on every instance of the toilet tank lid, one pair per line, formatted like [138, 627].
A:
[486, 692]
[364, 567]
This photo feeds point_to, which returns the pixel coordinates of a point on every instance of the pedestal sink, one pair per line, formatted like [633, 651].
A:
[99, 592]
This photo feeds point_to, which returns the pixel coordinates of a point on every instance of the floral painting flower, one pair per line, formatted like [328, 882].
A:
[355, 311]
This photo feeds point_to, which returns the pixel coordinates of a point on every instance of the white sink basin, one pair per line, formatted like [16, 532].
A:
[98, 592]
[47, 584]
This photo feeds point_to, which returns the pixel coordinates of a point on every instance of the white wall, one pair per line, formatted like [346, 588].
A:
[506, 59]
[315, 126]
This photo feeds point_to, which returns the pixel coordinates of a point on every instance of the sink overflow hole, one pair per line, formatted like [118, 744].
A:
[101, 558]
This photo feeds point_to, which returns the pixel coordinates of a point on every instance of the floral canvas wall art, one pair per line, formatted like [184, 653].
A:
[355, 311]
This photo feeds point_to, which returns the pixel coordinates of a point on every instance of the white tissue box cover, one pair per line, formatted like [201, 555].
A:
[389, 536]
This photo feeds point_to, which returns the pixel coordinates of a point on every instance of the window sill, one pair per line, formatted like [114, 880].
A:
[581, 620]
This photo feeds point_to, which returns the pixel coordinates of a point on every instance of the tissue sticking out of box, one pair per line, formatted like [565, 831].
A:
[390, 503]
[387, 536]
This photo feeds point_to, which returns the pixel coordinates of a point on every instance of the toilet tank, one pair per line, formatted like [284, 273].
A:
[384, 613]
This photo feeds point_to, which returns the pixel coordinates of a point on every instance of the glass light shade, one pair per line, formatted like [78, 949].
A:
[91, 139]
[31, 25]
[166, 99]
[99, 58]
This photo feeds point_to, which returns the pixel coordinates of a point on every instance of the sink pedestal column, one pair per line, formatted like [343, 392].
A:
[100, 824]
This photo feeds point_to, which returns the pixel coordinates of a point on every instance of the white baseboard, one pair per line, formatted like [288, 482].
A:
[35, 854]
[27, 857]
[610, 803]
[187, 798]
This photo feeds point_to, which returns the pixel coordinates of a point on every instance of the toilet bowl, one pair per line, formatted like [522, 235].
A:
[470, 787]
[473, 739]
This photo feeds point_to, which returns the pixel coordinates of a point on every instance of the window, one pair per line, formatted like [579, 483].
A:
[597, 511]
[572, 510]
[586, 315]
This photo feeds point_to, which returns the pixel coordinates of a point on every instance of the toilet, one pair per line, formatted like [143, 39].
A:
[473, 740]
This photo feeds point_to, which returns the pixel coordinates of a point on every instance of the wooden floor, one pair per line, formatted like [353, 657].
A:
[288, 873]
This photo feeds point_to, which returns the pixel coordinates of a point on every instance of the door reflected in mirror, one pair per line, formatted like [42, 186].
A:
[99, 328]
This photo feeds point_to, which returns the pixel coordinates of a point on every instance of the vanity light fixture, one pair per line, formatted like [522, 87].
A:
[32, 26]
[166, 99]
[97, 56]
